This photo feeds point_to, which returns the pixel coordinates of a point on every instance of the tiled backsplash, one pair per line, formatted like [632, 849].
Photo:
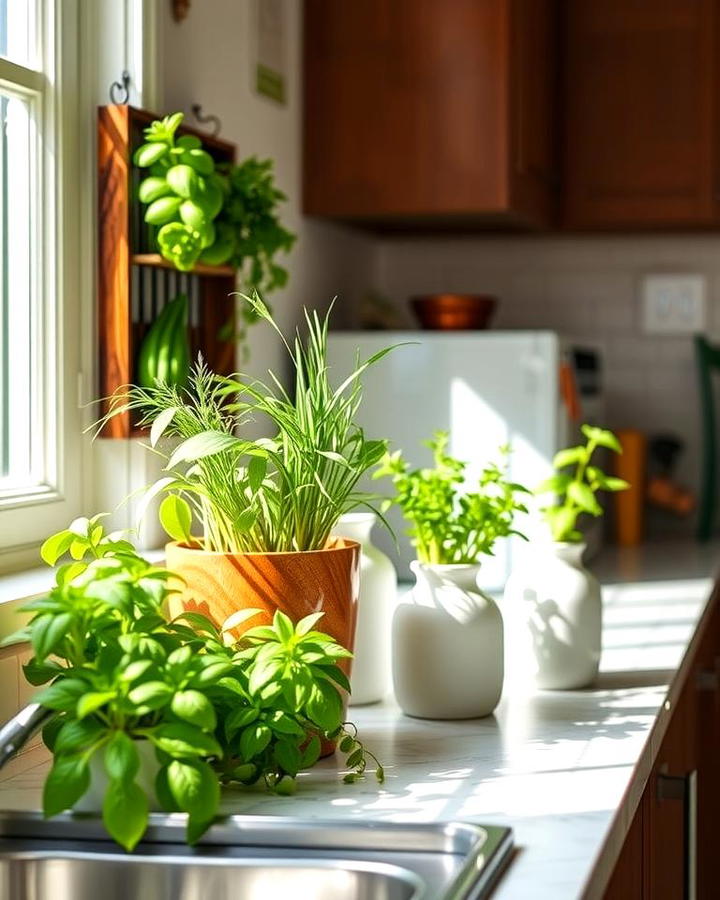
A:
[589, 288]
[15, 692]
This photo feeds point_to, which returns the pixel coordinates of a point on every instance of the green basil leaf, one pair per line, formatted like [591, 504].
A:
[194, 707]
[37, 673]
[47, 632]
[62, 695]
[305, 625]
[51, 731]
[282, 723]
[65, 784]
[75, 736]
[324, 707]
[125, 813]
[56, 546]
[162, 791]
[240, 718]
[179, 739]
[568, 457]
[135, 670]
[288, 756]
[334, 673]
[615, 484]
[90, 703]
[254, 740]
[584, 497]
[311, 753]
[196, 790]
[153, 694]
[283, 626]
[122, 759]
[212, 673]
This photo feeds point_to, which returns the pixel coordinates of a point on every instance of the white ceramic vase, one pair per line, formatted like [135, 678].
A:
[553, 609]
[370, 678]
[447, 646]
[92, 799]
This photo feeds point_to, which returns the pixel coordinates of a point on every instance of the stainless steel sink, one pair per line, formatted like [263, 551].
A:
[250, 858]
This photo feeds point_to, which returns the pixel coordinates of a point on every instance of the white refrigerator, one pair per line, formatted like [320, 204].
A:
[486, 388]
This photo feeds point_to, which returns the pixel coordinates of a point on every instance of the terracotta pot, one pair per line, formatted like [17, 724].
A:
[219, 584]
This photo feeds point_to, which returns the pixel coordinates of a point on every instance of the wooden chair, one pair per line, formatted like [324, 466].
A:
[708, 360]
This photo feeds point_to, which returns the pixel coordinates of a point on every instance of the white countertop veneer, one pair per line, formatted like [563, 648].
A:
[555, 766]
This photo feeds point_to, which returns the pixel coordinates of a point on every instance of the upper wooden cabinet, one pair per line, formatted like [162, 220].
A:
[641, 90]
[429, 112]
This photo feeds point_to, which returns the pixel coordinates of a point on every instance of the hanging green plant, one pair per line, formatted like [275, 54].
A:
[183, 192]
[217, 214]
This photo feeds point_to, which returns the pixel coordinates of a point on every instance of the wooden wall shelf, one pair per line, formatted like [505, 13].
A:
[154, 260]
[134, 281]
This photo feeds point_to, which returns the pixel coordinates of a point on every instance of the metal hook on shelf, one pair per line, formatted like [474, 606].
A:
[214, 121]
[122, 87]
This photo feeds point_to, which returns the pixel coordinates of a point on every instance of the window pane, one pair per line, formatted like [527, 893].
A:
[17, 31]
[21, 441]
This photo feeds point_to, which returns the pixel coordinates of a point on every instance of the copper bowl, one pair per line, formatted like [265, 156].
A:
[453, 312]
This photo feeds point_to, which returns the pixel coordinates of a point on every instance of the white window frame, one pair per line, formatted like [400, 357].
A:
[26, 518]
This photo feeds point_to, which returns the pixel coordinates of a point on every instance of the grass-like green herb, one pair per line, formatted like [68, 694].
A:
[284, 493]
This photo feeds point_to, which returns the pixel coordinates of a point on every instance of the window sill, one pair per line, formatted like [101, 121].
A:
[19, 587]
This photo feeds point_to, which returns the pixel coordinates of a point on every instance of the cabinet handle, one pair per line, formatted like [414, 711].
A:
[684, 788]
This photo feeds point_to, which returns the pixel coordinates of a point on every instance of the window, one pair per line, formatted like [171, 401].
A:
[40, 441]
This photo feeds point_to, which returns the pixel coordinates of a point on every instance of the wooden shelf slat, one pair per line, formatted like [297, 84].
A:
[155, 260]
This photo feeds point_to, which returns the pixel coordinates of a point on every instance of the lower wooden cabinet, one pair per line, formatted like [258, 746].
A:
[671, 851]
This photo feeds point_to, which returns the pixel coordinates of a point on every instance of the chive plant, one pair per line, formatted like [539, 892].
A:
[283, 493]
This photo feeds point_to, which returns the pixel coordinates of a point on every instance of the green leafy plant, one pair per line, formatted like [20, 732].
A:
[208, 709]
[575, 492]
[448, 524]
[213, 213]
[183, 192]
[284, 493]
[249, 232]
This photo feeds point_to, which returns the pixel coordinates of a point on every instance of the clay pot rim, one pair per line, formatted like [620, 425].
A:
[348, 544]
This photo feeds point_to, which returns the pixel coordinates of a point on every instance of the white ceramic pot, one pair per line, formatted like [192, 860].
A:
[447, 646]
[553, 609]
[92, 799]
[370, 678]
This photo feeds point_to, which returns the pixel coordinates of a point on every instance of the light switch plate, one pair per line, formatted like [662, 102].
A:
[673, 304]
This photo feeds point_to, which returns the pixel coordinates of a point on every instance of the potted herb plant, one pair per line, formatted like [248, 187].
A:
[265, 509]
[552, 599]
[448, 636]
[153, 713]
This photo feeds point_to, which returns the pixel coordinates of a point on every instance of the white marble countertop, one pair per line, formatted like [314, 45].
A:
[554, 766]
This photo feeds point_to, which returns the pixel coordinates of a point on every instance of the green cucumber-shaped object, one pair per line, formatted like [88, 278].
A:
[147, 358]
[164, 346]
[180, 346]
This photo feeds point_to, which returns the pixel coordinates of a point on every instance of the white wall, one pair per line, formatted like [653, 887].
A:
[208, 59]
[589, 287]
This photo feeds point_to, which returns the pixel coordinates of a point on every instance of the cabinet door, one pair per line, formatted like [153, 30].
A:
[707, 755]
[533, 100]
[670, 821]
[627, 881]
[405, 107]
[640, 93]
